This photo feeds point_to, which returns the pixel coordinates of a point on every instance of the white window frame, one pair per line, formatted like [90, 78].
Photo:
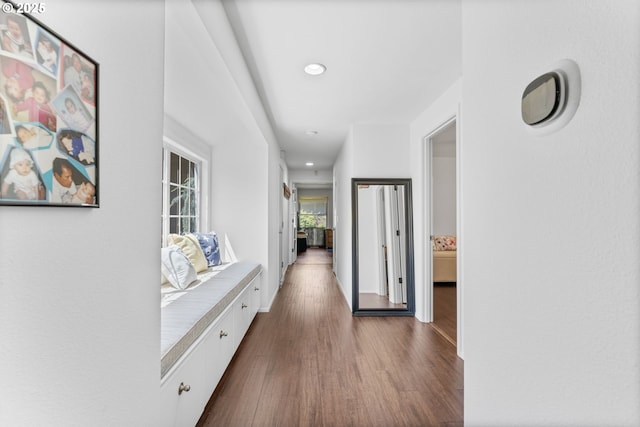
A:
[170, 146]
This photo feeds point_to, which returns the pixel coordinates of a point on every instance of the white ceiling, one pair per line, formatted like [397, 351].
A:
[387, 60]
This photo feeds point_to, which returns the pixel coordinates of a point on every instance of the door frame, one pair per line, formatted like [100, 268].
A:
[381, 242]
[283, 240]
[428, 226]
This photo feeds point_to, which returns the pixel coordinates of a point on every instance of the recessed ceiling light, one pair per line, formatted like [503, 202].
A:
[311, 132]
[309, 164]
[315, 69]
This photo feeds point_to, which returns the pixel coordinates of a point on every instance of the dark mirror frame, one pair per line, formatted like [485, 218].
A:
[410, 278]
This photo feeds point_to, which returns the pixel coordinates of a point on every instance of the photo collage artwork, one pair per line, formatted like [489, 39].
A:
[48, 143]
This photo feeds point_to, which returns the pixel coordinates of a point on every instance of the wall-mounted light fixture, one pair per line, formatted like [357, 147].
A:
[543, 98]
[550, 100]
[315, 69]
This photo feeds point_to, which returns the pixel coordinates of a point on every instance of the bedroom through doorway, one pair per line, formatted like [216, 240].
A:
[444, 226]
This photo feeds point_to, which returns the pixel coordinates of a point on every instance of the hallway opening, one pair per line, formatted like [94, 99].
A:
[309, 362]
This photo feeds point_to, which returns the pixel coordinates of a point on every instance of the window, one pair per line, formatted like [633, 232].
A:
[182, 189]
[313, 212]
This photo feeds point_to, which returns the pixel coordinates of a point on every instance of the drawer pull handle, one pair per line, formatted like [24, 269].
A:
[223, 334]
[256, 288]
[184, 388]
[243, 306]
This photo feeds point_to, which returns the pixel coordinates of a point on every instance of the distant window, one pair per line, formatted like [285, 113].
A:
[181, 193]
[313, 212]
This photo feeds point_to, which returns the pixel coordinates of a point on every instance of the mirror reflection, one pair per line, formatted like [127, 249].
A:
[383, 256]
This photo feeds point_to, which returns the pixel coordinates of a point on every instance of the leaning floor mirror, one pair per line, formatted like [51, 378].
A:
[383, 277]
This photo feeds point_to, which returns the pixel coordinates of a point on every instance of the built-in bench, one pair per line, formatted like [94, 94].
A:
[201, 328]
[186, 314]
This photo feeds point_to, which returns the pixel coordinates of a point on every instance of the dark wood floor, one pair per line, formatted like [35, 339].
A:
[445, 310]
[371, 300]
[308, 362]
[315, 256]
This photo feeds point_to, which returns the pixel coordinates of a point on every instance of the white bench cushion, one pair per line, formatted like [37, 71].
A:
[184, 319]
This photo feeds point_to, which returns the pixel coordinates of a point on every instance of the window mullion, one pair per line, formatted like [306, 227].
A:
[181, 193]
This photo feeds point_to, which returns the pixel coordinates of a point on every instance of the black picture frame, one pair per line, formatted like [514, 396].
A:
[405, 241]
[49, 139]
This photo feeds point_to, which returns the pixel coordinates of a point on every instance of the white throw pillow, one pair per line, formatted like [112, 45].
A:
[176, 267]
[191, 248]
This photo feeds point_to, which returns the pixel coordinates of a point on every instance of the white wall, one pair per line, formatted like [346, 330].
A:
[370, 151]
[287, 236]
[553, 323]
[381, 151]
[209, 92]
[444, 195]
[368, 261]
[79, 300]
[240, 196]
[257, 167]
[273, 219]
[342, 239]
[311, 176]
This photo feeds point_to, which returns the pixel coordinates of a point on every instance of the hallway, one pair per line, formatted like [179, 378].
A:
[308, 362]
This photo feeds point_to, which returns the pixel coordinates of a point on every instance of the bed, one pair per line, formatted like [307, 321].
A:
[444, 259]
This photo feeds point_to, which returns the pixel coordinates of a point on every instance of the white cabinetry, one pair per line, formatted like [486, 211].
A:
[187, 387]
[245, 310]
[255, 296]
[241, 313]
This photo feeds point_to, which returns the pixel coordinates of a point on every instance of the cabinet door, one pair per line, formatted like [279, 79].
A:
[168, 407]
[182, 408]
[241, 315]
[199, 373]
[191, 403]
[256, 292]
[222, 348]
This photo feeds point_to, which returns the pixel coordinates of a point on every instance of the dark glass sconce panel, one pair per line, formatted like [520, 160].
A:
[541, 99]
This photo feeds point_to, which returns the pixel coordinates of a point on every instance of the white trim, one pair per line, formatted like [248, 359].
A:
[427, 155]
[270, 303]
[169, 145]
[165, 191]
[427, 312]
[428, 210]
[283, 230]
[393, 245]
[459, 241]
[183, 150]
[381, 242]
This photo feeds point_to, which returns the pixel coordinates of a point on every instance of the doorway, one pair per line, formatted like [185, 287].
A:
[443, 196]
[283, 238]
